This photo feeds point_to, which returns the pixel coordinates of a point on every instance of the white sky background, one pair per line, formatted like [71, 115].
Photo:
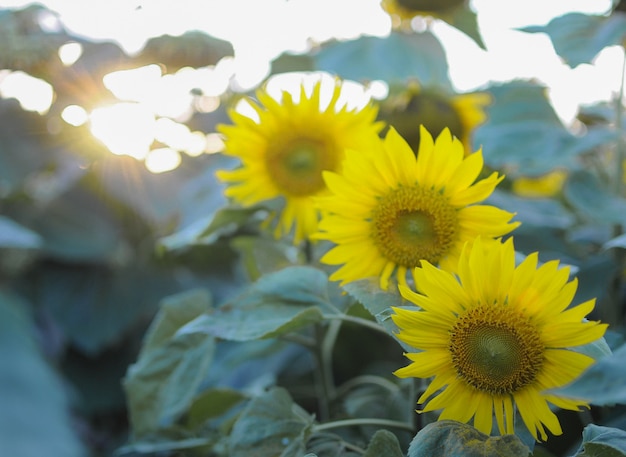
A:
[260, 30]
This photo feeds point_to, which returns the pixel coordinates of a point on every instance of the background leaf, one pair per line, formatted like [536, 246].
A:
[271, 425]
[601, 441]
[455, 439]
[162, 383]
[34, 418]
[383, 443]
[602, 383]
[398, 57]
[578, 37]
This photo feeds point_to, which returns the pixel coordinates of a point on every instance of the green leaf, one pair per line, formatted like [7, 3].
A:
[34, 418]
[191, 49]
[261, 255]
[14, 235]
[175, 311]
[578, 37]
[276, 304]
[454, 439]
[602, 383]
[211, 404]
[617, 242]
[395, 58]
[384, 444]
[601, 441]
[537, 212]
[271, 424]
[208, 230]
[379, 302]
[163, 382]
[593, 200]
[288, 62]
[522, 122]
[465, 20]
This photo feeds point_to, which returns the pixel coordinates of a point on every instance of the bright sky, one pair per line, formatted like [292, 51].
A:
[260, 30]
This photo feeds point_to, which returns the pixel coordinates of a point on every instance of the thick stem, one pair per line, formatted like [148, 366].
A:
[358, 320]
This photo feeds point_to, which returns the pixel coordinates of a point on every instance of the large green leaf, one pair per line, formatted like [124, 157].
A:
[524, 136]
[602, 383]
[454, 439]
[579, 37]
[395, 58]
[272, 424]
[93, 305]
[276, 304]
[379, 303]
[34, 417]
[538, 212]
[593, 200]
[163, 382]
[465, 20]
[601, 441]
[384, 444]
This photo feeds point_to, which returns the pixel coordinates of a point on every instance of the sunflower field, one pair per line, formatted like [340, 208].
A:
[349, 257]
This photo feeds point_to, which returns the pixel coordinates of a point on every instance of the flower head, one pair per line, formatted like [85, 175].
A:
[495, 336]
[388, 210]
[285, 151]
[434, 109]
[405, 10]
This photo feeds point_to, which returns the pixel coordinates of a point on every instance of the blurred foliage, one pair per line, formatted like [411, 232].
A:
[141, 314]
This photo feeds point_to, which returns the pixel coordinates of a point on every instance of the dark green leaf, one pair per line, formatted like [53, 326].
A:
[262, 255]
[454, 439]
[395, 58]
[95, 305]
[163, 382]
[384, 444]
[578, 37]
[287, 62]
[601, 441]
[602, 383]
[276, 304]
[464, 19]
[211, 404]
[524, 135]
[272, 424]
[175, 311]
[593, 200]
[191, 49]
[617, 242]
[163, 445]
[34, 418]
[379, 303]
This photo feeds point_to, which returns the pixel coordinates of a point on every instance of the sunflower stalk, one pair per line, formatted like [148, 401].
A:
[364, 421]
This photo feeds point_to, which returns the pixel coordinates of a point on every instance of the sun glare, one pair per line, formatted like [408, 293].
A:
[162, 159]
[33, 94]
[70, 53]
[74, 115]
[124, 128]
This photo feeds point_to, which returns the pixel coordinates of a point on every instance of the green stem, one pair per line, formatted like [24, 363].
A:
[321, 376]
[367, 379]
[357, 320]
[363, 421]
[326, 354]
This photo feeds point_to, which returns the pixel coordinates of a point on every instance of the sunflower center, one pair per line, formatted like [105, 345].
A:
[496, 350]
[410, 224]
[430, 5]
[296, 167]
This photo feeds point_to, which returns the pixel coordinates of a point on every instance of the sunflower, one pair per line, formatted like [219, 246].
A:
[285, 151]
[389, 210]
[405, 10]
[413, 105]
[496, 336]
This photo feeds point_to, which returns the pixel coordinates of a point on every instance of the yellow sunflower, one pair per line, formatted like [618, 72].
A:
[548, 185]
[435, 109]
[496, 336]
[284, 152]
[405, 10]
[389, 210]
